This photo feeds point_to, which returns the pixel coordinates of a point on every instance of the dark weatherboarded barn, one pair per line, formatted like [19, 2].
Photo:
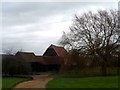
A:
[37, 63]
[51, 60]
[53, 50]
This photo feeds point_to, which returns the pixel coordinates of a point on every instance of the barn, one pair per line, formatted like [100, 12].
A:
[51, 60]
[53, 50]
[37, 63]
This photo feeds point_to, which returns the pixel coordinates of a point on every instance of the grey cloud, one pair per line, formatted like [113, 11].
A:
[36, 46]
[15, 13]
[30, 12]
[24, 23]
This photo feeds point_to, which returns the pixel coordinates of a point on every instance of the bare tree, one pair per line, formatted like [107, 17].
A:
[94, 34]
[8, 51]
[11, 51]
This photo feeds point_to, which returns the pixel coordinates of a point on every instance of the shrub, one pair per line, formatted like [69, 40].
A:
[13, 66]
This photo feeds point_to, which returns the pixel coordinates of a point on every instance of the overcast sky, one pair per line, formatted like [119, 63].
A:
[33, 26]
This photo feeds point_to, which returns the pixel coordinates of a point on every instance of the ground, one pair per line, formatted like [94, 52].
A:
[39, 81]
[9, 82]
[47, 81]
[86, 82]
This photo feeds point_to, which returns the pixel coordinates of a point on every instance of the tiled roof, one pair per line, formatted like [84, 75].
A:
[6, 56]
[61, 52]
[27, 56]
[30, 56]
[53, 59]
[40, 60]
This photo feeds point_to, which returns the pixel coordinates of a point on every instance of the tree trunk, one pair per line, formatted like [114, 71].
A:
[103, 68]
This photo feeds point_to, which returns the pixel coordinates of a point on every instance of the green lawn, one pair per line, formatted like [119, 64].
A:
[88, 82]
[0, 82]
[9, 82]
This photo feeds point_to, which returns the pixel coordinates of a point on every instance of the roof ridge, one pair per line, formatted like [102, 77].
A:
[57, 46]
[25, 52]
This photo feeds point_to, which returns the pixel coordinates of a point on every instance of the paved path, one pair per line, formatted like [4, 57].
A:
[39, 81]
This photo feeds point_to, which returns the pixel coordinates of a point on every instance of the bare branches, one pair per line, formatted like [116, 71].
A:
[11, 51]
[95, 34]
[93, 31]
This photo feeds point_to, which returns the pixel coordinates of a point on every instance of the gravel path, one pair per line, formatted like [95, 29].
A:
[38, 82]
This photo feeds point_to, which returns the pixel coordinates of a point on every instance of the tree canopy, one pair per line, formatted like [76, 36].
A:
[94, 34]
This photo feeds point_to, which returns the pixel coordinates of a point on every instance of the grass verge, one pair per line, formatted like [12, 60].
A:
[10, 82]
[86, 82]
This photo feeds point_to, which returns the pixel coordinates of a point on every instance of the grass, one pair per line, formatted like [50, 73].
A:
[0, 82]
[88, 82]
[9, 82]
